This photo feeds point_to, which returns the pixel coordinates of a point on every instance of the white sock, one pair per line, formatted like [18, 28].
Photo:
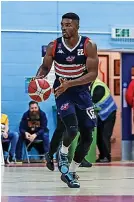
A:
[64, 150]
[73, 166]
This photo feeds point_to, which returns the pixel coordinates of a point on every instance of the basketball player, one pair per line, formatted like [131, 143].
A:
[76, 66]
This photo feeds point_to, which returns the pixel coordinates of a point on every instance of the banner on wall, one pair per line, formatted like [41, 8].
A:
[27, 81]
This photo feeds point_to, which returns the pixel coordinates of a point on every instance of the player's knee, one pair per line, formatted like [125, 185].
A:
[70, 135]
[71, 124]
[72, 130]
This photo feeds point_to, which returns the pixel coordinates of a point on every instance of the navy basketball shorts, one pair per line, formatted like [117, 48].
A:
[85, 115]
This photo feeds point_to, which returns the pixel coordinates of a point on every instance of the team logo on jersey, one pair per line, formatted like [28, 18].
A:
[60, 51]
[70, 58]
[80, 52]
[81, 45]
[59, 46]
[64, 106]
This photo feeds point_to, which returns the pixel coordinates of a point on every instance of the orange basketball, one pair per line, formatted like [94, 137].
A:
[39, 90]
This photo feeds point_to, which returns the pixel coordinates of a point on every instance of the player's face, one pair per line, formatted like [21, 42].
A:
[34, 108]
[68, 28]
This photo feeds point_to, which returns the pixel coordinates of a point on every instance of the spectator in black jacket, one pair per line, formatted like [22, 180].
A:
[33, 126]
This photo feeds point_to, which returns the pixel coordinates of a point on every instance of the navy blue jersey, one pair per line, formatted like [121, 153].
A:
[70, 63]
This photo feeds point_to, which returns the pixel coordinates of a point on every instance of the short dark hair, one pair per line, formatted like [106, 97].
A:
[33, 102]
[72, 16]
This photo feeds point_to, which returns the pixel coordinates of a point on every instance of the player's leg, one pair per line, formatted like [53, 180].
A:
[57, 136]
[55, 142]
[68, 115]
[81, 151]
[84, 163]
[71, 125]
[87, 122]
[82, 147]
[86, 127]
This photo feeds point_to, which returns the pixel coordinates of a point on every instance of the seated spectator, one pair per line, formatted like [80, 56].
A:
[8, 137]
[33, 126]
[130, 96]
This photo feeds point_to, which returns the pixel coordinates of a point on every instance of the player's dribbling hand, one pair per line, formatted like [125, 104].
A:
[62, 88]
[37, 77]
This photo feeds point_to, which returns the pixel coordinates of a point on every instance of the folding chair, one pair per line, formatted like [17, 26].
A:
[27, 152]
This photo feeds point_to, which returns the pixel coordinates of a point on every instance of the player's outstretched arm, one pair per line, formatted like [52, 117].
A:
[91, 65]
[45, 68]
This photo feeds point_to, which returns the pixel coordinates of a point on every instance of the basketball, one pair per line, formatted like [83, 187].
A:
[39, 90]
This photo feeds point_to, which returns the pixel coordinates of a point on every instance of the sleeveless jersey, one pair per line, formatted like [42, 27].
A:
[70, 63]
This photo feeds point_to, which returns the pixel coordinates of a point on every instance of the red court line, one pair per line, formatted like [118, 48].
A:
[68, 199]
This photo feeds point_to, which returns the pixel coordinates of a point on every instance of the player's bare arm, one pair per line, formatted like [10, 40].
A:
[92, 68]
[45, 68]
[91, 65]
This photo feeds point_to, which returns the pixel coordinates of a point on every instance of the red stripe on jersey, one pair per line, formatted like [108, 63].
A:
[69, 73]
[67, 67]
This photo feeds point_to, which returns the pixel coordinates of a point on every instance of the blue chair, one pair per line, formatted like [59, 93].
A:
[27, 153]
